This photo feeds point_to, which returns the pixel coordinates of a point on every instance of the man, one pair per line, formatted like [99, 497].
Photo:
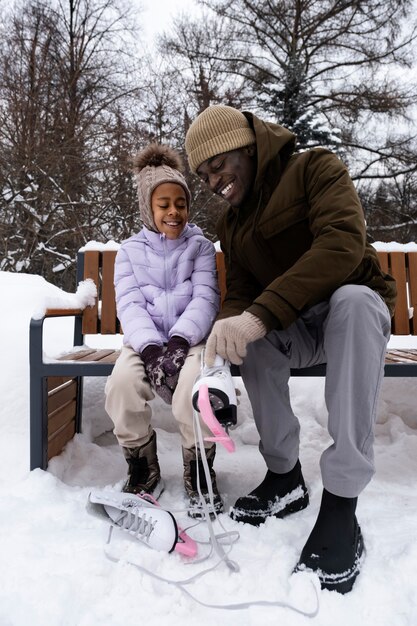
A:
[303, 287]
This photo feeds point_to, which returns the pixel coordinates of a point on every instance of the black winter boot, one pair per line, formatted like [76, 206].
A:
[278, 495]
[144, 474]
[192, 465]
[335, 545]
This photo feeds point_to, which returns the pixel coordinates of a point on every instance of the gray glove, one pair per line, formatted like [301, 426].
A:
[229, 337]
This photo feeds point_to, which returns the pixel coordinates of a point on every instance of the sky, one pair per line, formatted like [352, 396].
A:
[157, 14]
[53, 567]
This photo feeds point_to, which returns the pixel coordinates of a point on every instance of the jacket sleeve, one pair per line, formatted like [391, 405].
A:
[337, 223]
[241, 288]
[241, 285]
[195, 323]
[138, 327]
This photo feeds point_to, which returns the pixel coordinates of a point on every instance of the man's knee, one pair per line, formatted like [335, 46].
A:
[353, 298]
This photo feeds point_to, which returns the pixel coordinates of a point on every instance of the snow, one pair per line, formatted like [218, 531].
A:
[98, 245]
[53, 567]
[393, 246]
[57, 299]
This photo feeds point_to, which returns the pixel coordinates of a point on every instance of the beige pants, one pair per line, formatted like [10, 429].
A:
[128, 393]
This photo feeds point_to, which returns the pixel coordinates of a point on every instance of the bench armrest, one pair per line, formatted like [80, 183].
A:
[62, 312]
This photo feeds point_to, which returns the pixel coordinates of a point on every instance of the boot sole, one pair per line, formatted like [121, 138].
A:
[345, 581]
[256, 519]
[341, 582]
[196, 512]
[156, 493]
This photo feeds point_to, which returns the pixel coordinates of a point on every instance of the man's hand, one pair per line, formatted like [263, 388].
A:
[229, 337]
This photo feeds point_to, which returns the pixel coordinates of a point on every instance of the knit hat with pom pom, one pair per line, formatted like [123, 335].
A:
[153, 166]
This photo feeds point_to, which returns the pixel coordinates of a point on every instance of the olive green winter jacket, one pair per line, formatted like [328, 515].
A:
[298, 237]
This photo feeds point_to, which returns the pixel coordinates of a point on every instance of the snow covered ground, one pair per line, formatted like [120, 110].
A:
[53, 569]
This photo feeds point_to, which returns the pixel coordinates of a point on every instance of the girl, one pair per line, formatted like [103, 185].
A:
[167, 299]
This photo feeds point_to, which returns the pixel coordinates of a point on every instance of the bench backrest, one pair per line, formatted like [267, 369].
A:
[99, 265]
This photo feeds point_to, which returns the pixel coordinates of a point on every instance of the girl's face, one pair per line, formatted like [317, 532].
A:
[170, 210]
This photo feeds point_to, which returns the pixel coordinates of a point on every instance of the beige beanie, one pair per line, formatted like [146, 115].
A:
[217, 129]
[153, 166]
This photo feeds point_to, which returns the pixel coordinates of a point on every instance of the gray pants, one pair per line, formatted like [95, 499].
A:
[128, 394]
[350, 333]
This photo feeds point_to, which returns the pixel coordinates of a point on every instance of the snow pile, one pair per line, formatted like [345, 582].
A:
[393, 246]
[58, 299]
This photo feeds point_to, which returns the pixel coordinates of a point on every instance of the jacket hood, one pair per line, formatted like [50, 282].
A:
[274, 144]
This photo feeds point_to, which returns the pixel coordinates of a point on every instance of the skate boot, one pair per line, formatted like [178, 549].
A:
[335, 545]
[138, 517]
[278, 495]
[221, 389]
[192, 464]
[144, 475]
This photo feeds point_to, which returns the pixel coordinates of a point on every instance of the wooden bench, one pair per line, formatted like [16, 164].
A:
[56, 386]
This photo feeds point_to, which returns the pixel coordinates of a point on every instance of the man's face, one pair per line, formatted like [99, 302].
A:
[230, 175]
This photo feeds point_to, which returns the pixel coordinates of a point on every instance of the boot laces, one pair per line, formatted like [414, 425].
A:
[136, 523]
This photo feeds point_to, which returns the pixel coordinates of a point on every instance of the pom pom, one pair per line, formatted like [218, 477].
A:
[156, 155]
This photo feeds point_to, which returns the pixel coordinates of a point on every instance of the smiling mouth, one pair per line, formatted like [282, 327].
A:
[173, 224]
[226, 190]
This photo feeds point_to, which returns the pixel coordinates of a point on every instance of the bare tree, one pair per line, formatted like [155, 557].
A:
[391, 209]
[192, 48]
[196, 48]
[63, 81]
[320, 65]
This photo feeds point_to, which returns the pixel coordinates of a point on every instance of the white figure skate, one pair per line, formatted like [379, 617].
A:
[135, 515]
[221, 390]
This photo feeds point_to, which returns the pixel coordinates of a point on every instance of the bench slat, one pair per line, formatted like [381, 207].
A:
[57, 381]
[383, 259]
[59, 439]
[61, 396]
[401, 322]
[91, 355]
[412, 276]
[77, 355]
[91, 270]
[108, 297]
[401, 356]
[60, 418]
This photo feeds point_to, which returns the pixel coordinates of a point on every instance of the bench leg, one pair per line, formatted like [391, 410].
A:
[79, 409]
[38, 422]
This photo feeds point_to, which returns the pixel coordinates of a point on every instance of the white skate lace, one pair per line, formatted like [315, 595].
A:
[216, 541]
[135, 523]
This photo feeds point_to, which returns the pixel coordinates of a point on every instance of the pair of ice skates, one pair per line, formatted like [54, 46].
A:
[140, 515]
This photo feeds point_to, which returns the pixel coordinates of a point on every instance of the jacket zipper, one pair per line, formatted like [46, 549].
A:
[167, 320]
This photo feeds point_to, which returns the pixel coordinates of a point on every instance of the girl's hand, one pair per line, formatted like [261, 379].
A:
[175, 354]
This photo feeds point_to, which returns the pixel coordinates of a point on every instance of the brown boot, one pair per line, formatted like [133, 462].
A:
[144, 474]
[192, 464]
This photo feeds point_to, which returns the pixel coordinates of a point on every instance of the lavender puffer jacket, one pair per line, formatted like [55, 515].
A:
[166, 287]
